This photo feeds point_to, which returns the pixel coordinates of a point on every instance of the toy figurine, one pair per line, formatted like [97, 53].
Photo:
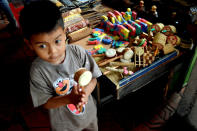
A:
[153, 14]
[140, 9]
[154, 11]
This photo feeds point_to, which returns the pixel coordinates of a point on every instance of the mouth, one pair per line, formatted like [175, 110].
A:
[64, 88]
[56, 59]
[53, 57]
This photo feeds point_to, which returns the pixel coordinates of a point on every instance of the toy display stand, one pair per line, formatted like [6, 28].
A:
[114, 86]
[118, 87]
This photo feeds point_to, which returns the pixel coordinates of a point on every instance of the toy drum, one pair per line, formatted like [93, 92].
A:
[83, 77]
[159, 40]
[157, 27]
[169, 30]
[110, 53]
[174, 40]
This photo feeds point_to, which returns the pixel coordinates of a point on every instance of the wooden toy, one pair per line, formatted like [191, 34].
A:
[153, 14]
[149, 24]
[99, 46]
[81, 33]
[71, 12]
[128, 54]
[169, 30]
[142, 42]
[92, 51]
[106, 72]
[124, 64]
[174, 40]
[72, 19]
[156, 51]
[157, 27]
[123, 71]
[77, 26]
[107, 41]
[154, 11]
[139, 51]
[133, 14]
[106, 61]
[159, 40]
[101, 50]
[140, 9]
[124, 60]
[120, 50]
[110, 52]
[144, 26]
[131, 29]
[136, 25]
[168, 48]
[95, 42]
[119, 17]
[138, 57]
[148, 58]
[83, 77]
[136, 40]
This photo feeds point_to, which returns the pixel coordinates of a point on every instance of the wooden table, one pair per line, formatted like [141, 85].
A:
[114, 88]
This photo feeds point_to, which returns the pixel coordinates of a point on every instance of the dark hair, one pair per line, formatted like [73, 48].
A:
[40, 17]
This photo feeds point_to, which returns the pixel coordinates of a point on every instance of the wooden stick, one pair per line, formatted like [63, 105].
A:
[98, 55]
[121, 64]
[104, 62]
[139, 59]
[156, 51]
[81, 107]
[106, 72]
[114, 69]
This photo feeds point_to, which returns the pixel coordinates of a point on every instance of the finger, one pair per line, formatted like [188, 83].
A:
[75, 89]
[82, 99]
[79, 104]
[78, 107]
[80, 89]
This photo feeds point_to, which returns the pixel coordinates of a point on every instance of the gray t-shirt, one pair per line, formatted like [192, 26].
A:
[48, 80]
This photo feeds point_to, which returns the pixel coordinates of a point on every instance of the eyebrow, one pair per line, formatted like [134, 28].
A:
[58, 36]
[39, 42]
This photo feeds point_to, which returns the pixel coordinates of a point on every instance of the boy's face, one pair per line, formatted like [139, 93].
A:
[49, 46]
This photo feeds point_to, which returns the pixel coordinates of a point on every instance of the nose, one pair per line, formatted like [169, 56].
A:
[52, 50]
[60, 85]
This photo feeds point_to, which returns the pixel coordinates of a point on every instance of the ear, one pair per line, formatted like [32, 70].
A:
[65, 30]
[28, 43]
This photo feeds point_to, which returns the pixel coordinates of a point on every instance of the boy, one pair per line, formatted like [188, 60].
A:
[51, 76]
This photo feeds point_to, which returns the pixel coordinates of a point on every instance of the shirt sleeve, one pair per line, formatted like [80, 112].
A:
[39, 90]
[87, 61]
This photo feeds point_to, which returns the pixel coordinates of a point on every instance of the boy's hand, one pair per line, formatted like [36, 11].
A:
[84, 98]
[75, 96]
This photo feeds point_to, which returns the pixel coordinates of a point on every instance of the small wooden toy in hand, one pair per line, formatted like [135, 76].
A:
[83, 78]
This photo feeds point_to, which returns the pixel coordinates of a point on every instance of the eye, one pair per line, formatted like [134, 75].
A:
[42, 46]
[57, 41]
[55, 84]
[59, 80]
